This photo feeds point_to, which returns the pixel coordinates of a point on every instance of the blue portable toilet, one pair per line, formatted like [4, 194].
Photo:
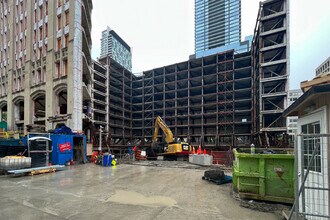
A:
[67, 148]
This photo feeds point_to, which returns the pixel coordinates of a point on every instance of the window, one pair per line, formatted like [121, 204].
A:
[58, 70]
[65, 63]
[46, 8]
[59, 23]
[39, 79]
[40, 34]
[41, 13]
[310, 143]
[33, 79]
[59, 44]
[46, 30]
[66, 40]
[23, 84]
[67, 18]
[44, 74]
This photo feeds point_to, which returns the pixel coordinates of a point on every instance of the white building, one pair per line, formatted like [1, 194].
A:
[292, 120]
[323, 68]
[313, 112]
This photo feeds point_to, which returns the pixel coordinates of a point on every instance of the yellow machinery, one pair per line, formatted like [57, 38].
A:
[172, 149]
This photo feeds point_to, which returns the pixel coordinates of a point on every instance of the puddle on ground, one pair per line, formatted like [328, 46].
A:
[134, 198]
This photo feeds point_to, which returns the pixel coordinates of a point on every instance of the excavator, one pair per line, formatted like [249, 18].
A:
[171, 150]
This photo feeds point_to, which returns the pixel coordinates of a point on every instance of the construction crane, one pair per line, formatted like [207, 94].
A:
[172, 149]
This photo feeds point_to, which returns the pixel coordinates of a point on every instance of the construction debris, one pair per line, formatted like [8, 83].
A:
[217, 176]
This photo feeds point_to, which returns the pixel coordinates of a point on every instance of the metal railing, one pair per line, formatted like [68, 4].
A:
[312, 199]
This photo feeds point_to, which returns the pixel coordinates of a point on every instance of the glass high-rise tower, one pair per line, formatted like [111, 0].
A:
[218, 26]
[114, 46]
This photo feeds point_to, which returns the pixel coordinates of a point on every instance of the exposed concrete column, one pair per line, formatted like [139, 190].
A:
[10, 106]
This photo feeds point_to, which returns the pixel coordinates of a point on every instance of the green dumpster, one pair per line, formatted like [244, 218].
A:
[268, 177]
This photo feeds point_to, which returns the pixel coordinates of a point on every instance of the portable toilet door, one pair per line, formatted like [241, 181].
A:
[79, 148]
[64, 148]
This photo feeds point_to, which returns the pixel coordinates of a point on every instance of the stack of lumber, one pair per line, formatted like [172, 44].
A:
[319, 80]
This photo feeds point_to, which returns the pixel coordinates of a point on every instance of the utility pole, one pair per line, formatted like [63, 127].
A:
[100, 139]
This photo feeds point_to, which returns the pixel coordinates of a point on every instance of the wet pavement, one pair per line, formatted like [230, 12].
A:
[122, 192]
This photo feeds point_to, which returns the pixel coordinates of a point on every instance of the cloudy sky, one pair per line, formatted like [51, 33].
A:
[161, 32]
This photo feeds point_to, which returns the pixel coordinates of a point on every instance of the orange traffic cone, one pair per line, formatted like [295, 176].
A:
[204, 151]
[199, 149]
[193, 151]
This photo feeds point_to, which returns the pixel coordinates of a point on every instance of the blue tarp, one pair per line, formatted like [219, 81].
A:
[63, 130]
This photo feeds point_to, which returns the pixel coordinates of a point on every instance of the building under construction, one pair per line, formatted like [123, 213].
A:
[218, 101]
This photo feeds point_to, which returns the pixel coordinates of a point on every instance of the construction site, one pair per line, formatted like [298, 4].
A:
[208, 136]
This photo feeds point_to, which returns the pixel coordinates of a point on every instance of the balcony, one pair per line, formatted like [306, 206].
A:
[34, 46]
[46, 40]
[34, 26]
[21, 35]
[46, 18]
[21, 16]
[20, 54]
[40, 44]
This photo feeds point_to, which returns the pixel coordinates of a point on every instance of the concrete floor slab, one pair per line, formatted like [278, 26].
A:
[94, 192]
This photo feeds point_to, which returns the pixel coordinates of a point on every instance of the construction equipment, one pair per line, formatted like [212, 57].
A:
[171, 149]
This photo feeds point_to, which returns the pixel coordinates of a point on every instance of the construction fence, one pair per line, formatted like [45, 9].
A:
[312, 177]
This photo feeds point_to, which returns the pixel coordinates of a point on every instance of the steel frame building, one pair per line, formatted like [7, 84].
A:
[270, 55]
[204, 101]
[218, 101]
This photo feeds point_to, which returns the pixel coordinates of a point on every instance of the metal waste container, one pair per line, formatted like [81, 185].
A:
[264, 176]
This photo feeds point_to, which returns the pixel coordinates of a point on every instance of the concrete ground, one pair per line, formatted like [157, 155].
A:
[123, 192]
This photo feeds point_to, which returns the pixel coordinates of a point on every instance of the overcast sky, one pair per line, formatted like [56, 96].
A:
[161, 32]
